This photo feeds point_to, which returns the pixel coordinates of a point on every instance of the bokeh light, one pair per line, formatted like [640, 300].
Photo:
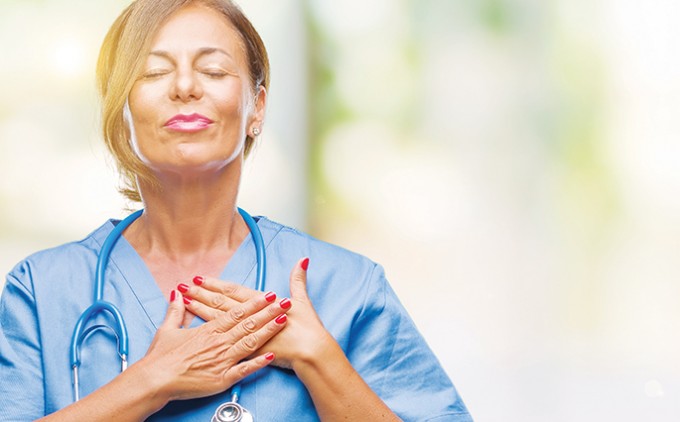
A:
[68, 57]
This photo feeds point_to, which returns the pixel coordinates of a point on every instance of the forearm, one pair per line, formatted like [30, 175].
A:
[131, 396]
[337, 389]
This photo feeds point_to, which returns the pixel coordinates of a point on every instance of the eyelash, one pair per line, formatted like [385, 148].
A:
[215, 74]
[154, 75]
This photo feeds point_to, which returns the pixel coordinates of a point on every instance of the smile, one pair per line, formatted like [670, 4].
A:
[188, 123]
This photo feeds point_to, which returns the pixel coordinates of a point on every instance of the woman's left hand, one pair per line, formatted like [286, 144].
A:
[304, 336]
[304, 345]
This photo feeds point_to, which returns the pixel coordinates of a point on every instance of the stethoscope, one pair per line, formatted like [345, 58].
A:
[230, 411]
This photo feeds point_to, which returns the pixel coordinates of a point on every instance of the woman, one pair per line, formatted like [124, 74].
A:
[184, 89]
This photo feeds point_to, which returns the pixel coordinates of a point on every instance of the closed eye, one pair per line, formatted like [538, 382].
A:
[154, 74]
[215, 73]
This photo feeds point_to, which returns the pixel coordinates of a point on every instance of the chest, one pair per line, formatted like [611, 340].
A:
[168, 273]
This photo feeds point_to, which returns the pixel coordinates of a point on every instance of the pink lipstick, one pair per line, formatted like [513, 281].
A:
[188, 123]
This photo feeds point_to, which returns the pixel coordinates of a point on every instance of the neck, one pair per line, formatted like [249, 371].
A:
[186, 217]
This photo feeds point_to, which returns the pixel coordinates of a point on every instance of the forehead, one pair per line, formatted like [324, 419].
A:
[195, 27]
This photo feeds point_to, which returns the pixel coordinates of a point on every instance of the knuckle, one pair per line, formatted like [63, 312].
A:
[249, 343]
[244, 370]
[237, 314]
[215, 314]
[229, 289]
[217, 301]
[274, 328]
[273, 311]
[249, 325]
[227, 360]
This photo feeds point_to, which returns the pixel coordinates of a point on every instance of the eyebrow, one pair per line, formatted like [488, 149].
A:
[204, 51]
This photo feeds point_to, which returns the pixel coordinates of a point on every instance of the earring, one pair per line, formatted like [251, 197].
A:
[256, 131]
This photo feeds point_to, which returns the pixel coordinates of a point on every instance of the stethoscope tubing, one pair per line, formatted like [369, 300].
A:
[100, 305]
[261, 257]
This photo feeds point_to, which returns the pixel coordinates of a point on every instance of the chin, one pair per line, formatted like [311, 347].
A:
[192, 166]
[191, 159]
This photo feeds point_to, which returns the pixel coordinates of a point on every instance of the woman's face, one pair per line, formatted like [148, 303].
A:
[193, 105]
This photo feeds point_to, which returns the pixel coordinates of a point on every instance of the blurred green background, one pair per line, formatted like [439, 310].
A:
[512, 163]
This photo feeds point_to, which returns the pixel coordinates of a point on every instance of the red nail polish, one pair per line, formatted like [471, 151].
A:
[172, 296]
[285, 303]
[269, 356]
[270, 297]
[183, 288]
[198, 280]
[187, 300]
[304, 264]
[281, 319]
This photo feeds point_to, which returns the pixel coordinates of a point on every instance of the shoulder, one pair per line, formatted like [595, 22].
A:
[68, 257]
[286, 240]
[343, 285]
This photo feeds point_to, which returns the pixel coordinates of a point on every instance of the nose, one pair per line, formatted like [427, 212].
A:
[186, 86]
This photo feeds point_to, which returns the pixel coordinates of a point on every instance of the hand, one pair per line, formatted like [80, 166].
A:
[202, 361]
[337, 390]
[302, 339]
[305, 336]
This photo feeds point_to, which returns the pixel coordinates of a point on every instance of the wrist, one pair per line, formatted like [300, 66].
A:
[326, 355]
[151, 385]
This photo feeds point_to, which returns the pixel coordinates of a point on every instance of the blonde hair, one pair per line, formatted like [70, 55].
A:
[121, 60]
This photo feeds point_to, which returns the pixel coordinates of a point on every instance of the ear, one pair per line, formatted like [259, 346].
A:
[259, 109]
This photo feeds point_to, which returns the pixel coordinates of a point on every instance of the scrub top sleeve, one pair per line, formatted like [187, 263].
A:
[393, 358]
[21, 377]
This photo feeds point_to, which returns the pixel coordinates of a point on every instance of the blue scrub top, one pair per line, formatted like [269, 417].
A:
[46, 293]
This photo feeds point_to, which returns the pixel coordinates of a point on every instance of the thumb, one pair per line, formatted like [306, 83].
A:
[298, 280]
[175, 314]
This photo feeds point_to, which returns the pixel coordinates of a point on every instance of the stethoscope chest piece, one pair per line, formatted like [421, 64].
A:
[231, 412]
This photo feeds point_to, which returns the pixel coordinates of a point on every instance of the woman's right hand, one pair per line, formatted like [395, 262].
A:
[197, 362]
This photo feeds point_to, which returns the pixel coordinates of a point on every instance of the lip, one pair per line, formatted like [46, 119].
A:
[188, 123]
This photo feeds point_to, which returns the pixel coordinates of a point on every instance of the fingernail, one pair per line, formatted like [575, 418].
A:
[304, 264]
[183, 288]
[285, 303]
[281, 319]
[269, 356]
[172, 296]
[270, 297]
[198, 280]
[187, 300]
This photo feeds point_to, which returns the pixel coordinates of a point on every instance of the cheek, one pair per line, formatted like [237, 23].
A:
[141, 108]
[230, 113]
[141, 120]
[229, 99]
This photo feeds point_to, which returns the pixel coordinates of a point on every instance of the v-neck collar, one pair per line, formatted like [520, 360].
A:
[139, 279]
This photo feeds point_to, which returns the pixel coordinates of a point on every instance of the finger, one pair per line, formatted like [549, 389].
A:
[203, 311]
[225, 321]
[232, 290]
[237, 372]
[209, 312]
[298, 280]
[253, 323]
[248, 344]
[217, 301]
[175, 312]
